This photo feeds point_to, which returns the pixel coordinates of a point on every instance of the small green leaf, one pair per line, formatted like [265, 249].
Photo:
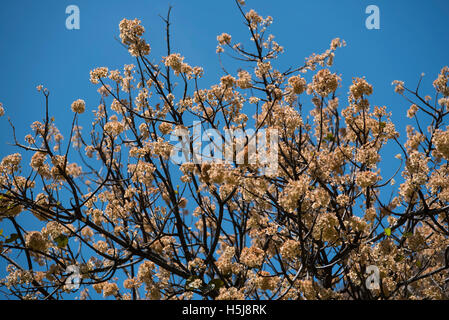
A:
[407, 234]
[329, 137]
[12, 238]
[215, 284]
[61, 241]
[387, 232]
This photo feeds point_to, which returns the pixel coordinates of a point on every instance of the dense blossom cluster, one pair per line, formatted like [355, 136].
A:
[131, 32]
[78, 106]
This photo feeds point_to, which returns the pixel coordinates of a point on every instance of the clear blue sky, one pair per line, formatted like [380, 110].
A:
[36, 48]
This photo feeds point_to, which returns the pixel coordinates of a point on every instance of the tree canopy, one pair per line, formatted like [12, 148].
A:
[313, 220]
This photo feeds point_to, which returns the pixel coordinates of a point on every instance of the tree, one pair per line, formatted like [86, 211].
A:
[313, 220]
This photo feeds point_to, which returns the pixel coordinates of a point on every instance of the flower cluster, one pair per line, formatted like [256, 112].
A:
[442, 142]
[78, 106]
[441, 83]
[36, 241]
[98, 73]
[131, 32]
[298, 84]
[324, 83]
[176, 62]
[252, 257]
[224, 38]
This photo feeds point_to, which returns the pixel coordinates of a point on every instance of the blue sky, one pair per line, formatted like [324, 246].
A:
[37, 48]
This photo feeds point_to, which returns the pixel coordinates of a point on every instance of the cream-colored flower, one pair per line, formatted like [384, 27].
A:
[78, 106]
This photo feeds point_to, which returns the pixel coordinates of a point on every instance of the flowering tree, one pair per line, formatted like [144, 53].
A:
[119, 217]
